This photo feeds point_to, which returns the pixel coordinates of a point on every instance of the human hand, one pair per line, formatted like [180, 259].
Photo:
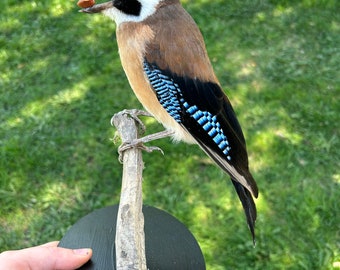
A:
[45, 257]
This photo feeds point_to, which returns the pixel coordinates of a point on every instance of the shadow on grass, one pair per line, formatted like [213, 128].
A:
[62, 81]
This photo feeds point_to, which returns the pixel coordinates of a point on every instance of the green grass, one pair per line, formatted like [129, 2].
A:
[61, 81]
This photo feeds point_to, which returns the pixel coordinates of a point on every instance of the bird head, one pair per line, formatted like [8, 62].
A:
[127, 10]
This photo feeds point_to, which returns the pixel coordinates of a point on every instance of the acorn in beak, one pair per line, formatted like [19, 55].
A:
[97, 8]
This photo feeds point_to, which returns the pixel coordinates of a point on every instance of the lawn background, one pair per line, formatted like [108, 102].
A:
[278, 61]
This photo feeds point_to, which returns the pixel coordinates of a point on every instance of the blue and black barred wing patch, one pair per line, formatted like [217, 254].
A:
[171, 98]
[167, 91]
[211, 127]
[206, 113]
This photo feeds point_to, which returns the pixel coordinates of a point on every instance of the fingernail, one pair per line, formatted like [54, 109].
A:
[82, 251]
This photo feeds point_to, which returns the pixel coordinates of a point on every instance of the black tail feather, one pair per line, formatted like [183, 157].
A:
[248, 206]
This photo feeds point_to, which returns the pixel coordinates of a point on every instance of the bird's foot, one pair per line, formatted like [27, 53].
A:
[134, 114]
[139, 143]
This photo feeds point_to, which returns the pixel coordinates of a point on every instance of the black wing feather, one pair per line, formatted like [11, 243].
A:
[206, 113]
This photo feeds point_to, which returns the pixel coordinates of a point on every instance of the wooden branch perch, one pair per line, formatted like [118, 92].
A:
[130, 239]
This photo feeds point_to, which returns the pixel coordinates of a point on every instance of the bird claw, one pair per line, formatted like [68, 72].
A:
[150, 149]
[134, 114]
[138, 143]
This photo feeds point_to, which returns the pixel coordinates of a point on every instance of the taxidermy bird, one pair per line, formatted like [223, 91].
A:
[165, 60]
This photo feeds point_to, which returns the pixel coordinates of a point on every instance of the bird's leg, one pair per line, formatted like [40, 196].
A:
[140, 141]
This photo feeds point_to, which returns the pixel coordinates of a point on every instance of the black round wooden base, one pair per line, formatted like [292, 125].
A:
[168, 243]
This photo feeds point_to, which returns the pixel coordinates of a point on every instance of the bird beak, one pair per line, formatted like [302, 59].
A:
[97, 8]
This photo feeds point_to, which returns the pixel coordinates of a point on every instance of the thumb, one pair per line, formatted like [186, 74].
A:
[51, 257]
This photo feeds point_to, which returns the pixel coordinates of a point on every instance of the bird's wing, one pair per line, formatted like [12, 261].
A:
[205, 112]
